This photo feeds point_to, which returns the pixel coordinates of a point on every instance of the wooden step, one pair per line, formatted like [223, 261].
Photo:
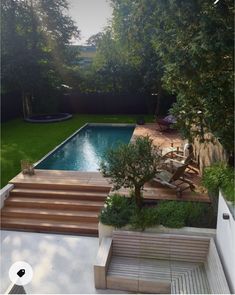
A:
[37, 225]
[59, 194]
[56, 184]
[48, 203]
[52, 214]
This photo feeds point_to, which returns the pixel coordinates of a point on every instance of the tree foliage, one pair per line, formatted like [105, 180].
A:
[131, 165]
[195, 42]
[34, 52]
[183, 47]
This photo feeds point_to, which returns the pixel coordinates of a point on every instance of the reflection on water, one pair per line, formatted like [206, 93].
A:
[86, 149]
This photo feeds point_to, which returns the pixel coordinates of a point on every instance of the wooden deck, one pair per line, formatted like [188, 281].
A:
[70, 179]
[62, 178]
[70, 201]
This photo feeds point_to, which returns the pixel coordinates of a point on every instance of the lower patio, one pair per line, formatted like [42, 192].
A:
[61, 264]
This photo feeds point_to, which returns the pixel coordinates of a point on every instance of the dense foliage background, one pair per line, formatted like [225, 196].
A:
[34, 52]
[183, 48]
[165, 49]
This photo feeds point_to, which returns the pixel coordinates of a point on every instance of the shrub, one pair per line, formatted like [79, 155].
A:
[117, 211]
[172, 213]
[143, 218]
[177, 214]
[120, 211]
[200, 215]
[220, 176]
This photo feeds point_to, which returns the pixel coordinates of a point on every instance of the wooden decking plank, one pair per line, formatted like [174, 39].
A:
[83, 179]
[49, 214]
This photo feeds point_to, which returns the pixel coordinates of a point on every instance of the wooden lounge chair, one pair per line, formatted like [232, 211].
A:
[174, 180]
[179, 160]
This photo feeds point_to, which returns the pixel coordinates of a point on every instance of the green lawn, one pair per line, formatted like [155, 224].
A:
[22, 140]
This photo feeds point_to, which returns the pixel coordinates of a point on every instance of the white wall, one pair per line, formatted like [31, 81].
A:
[225, 240]
[4, 192]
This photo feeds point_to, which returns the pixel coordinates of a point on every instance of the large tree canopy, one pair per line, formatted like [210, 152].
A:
[34, 52]
[195, 42]
[182, 47]
[177, 47]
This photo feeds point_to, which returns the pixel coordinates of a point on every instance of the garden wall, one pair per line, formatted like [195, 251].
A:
[107, 104]
[208, 152]
[11, 106]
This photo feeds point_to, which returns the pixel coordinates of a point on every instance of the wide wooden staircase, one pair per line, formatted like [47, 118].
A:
[54, 207]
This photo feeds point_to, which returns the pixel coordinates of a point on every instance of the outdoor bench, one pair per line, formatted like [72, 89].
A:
[159, 263]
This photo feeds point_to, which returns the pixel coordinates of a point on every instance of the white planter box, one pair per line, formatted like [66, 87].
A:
[105, 231]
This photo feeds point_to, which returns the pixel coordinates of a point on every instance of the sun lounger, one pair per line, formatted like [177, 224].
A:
[174, 180]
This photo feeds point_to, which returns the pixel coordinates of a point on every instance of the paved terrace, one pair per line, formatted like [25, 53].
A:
[161, 139]
[62, 264]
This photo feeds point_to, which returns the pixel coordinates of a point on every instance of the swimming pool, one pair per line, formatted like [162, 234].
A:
[84, 149]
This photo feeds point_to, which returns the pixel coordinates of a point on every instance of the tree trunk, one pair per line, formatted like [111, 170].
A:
[24, 105]
[27, 104]
[159, 98]
[138, 197]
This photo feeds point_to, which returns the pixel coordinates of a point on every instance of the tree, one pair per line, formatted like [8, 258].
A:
[131, 165]
[34, 53]
[195, 42]
[185, 48]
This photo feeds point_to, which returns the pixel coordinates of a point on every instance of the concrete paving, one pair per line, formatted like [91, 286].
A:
[61, 263]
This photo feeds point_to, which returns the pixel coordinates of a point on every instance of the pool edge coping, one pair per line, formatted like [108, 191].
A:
[73, 134]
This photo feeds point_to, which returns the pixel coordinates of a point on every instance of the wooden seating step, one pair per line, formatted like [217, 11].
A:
[59, 194]
[157, 275]
[55, 201]
[49, 203]
[193, 281]
[60, 184]
[52, 214]
[37, 225]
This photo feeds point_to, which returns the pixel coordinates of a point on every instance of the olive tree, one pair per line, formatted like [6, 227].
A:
[131, 165]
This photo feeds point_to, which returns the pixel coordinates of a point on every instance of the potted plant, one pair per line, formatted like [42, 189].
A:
[220, 176]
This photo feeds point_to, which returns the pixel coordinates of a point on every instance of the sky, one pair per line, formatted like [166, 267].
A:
[91, 16]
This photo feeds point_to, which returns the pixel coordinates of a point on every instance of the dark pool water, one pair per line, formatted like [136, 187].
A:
[85, 150]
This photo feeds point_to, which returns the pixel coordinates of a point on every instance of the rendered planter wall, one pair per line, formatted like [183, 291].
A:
[225, 240]
[4, 193]
[107, 230]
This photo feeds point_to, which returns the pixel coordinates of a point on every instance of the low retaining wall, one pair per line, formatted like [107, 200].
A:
[107, 231]
[225, 240]
[4, 193]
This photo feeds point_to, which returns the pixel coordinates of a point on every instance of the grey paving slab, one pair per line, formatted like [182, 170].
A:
[61, 263]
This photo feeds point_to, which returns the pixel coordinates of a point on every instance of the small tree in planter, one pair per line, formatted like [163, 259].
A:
[131, 165]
